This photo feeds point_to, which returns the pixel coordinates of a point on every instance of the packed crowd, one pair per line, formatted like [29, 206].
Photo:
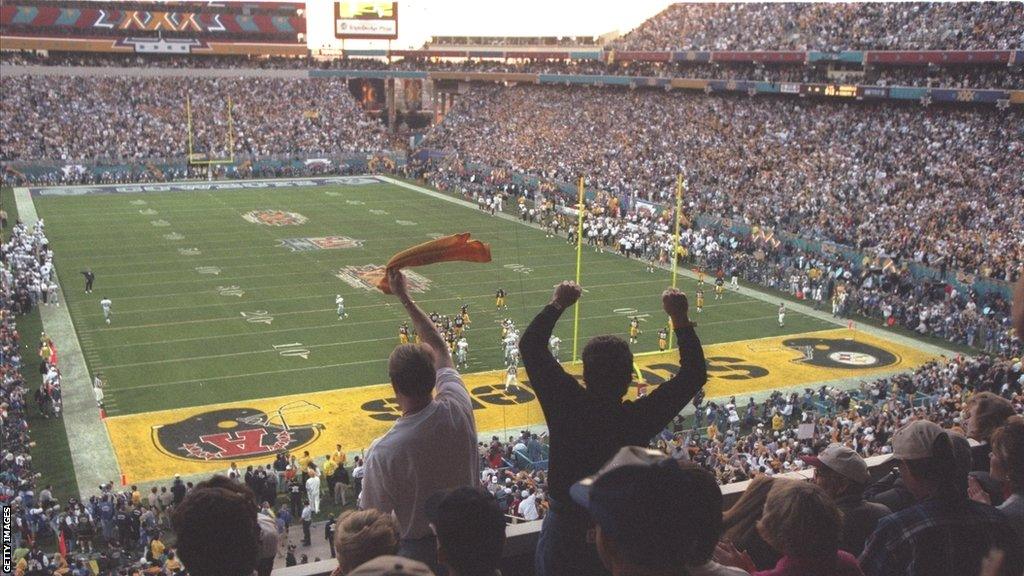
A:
[26, 281]
[831, 27]
[847, 173]
[89, 118]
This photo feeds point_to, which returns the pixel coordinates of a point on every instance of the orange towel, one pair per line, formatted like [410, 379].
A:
[457, 247]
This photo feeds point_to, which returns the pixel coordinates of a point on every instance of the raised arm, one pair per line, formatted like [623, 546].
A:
[429, 335]
[656, 410]
[546, 375]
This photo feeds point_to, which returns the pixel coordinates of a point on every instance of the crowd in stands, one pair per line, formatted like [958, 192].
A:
[831, 27]
[846, 173]
[26, 281]
[89, 118]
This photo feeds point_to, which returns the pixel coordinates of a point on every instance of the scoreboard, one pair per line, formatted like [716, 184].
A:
[366, 20]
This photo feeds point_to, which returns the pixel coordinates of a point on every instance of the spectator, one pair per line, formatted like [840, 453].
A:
[470, 531]
[268, 540]
[984, 413]
[1007, 467]
[945, 533]
[392, 566]
[432, 447]
[741, 520]
[652, 516]
[595, 416]
[218, 533]
[803, 524]
[361, 536]
[843, 475]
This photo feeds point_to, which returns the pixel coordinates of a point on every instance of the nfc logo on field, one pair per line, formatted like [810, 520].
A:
[275, 218]
[321, 243]
[367, 277]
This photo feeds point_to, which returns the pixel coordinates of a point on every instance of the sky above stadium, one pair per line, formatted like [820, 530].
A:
[418, 20]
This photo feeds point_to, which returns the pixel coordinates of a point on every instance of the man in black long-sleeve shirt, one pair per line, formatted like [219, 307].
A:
[589, 424]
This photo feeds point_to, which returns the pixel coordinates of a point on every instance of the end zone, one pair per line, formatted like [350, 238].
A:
[157, 445]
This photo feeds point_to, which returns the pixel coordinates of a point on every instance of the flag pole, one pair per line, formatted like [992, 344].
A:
[675, 244]
[579, 262]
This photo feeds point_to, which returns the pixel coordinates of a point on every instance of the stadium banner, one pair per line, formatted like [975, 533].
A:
[922, 57]
[848, 56]
[176, 28]
[691, 56]
[872, 92]
[731, 85]
[768, 87]
[639, 56]
[586, 55]
[789, 88]
[779, 56]
[204, 439]
[366, 20]
[968, 95]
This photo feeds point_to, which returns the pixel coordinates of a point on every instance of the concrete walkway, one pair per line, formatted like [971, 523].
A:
[91, 451]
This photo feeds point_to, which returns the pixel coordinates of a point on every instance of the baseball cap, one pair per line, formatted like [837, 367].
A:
[654, 507]
[916, 440]
[842, 461]
[392, 566]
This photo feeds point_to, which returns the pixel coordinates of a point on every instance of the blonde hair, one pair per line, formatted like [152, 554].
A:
[740, 521]
[800, 520]
[362, 535]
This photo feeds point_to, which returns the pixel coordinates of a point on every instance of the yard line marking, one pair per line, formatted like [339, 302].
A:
[322, 310]
[341, 364]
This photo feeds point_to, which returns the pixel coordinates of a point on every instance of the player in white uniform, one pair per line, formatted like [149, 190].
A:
[341, 307]
[462, 353]
[511, 382]
[555, 345]
[105, 304]
[782, 315]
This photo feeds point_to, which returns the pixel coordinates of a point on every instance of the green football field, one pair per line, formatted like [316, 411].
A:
[209, 307]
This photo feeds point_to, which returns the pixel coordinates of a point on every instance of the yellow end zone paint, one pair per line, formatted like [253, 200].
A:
[157, 445]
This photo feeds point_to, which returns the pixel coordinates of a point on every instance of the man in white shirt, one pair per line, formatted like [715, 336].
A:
[432, 446]
[528, 507]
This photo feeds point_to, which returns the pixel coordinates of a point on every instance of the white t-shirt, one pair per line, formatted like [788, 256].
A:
[528, 508]
[424, 453]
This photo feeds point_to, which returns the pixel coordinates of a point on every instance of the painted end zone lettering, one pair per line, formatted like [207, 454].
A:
[196, 440]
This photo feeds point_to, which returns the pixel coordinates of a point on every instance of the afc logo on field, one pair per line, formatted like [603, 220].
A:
[839, 353]
[386, 409]
[236, 433]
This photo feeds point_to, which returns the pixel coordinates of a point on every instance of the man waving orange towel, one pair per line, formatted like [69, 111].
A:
[457, 247]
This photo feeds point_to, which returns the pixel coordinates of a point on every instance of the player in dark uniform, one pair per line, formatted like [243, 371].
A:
[499, 299]
[719, 287]
[662, 339]
[458, 325]
[403, 333]
[465, 316]
[89, 278]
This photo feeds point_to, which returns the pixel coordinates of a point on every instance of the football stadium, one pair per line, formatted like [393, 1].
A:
[423, 288]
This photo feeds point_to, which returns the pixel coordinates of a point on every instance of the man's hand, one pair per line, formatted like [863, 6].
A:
[676, 306]
[566, 294]
[396, 280]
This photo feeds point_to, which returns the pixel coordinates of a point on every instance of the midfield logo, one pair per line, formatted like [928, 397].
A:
[322, 243]
[367, 277]
[236, 433]
[275, 218]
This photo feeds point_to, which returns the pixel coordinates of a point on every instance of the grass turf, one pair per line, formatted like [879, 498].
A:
[176, 341]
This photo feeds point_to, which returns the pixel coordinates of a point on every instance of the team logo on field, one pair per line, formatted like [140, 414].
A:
[838, 353]
[323, 243]
[236, 433]
[275, 218]
[367, 277]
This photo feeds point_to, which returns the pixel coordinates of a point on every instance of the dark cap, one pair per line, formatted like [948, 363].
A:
[661, 513]
[470, 526]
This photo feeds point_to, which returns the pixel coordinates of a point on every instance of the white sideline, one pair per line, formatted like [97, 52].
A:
[92, 453]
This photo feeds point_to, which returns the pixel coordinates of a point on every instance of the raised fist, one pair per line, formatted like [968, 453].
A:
[566, 294]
